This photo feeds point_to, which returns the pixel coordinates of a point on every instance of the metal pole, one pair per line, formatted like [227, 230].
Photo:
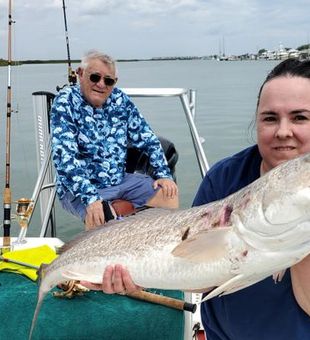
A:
[7, 190]
[25, 220]
[202, 160]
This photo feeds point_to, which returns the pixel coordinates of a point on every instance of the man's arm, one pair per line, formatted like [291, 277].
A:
[65, 150]
[94, 215]
[142, 137]
[300, 274]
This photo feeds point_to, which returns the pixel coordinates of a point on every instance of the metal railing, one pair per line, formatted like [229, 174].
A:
[188, 100]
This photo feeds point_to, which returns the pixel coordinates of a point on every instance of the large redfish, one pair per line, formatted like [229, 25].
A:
[229, 244]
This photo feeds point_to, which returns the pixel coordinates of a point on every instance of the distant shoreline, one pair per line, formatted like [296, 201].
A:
[247, 57]
[302, 52]
[64, 61]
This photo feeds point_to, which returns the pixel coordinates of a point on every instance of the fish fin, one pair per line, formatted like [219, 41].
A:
[41, 296]
[233, 285]
[148, 213]
[228, 287]
[277, 277]
[205, 246]
[41, 272]
[70, 275]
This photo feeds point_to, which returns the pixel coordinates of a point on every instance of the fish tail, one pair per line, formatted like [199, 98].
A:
[36, 312]
[41, 274]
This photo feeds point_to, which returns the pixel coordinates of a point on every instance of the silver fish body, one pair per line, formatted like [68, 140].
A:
[230, 244]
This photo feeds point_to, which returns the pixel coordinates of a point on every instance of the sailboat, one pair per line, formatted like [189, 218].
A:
[170, 323]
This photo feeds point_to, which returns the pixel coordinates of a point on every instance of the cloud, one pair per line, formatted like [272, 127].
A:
[146, 28]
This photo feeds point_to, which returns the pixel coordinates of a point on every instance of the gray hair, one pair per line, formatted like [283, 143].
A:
[104, 58]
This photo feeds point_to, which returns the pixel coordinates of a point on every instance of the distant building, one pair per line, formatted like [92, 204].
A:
[280, 54]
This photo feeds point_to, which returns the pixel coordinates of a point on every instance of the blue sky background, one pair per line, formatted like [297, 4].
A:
[153, 28]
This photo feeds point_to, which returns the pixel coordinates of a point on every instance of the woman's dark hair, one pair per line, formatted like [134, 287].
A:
[289, 67]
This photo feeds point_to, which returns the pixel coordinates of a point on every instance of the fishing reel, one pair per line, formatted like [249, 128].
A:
[24, 210]
[72, 78]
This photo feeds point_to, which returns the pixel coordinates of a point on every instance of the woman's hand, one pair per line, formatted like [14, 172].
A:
[116, 280]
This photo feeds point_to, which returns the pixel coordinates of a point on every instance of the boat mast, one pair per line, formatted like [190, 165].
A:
[7, 189]
[72, 78]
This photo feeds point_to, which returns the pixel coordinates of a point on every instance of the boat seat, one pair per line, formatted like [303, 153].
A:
[138, 161]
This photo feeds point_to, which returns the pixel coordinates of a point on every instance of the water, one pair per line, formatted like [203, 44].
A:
[226, 100]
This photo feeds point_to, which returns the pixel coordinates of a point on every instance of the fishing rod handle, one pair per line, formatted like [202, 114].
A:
[163, 300]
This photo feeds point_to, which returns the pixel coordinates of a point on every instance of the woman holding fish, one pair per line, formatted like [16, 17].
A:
[264, 310]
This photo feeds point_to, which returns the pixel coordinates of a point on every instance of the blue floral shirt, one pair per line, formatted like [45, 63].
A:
[89, 145]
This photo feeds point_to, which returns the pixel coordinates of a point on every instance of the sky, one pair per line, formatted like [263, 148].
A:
[128, 29]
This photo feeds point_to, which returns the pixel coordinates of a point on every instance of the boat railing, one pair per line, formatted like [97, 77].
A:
[188, 100]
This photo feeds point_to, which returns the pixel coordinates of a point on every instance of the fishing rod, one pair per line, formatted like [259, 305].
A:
[7, 189]
[72, 77]
[163, 300]
[24, 264]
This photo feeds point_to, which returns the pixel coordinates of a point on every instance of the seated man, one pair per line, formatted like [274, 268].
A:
[91, 126]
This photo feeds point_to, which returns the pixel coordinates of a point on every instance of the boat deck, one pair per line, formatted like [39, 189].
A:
[120, 318]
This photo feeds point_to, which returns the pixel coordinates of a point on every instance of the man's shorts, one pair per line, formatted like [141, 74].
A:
[136, 188]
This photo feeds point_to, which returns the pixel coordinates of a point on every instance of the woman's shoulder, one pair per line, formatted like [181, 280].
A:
[244, 160]
[229, 175]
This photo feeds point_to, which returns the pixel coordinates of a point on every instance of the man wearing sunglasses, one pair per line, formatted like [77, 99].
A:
[92, 124]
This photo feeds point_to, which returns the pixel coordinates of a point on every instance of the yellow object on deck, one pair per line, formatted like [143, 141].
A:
[32, 256]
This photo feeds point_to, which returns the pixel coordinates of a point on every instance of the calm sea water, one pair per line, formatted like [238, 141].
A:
[226, 99]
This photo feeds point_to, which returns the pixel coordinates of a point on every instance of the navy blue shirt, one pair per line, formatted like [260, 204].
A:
[264, 310]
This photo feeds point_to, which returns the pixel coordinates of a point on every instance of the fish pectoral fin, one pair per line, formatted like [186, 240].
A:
[230, 286]
[70, 275]
[277, 277]
[205, 246]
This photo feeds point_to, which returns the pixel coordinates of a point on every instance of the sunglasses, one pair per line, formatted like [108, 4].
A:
[95, 78]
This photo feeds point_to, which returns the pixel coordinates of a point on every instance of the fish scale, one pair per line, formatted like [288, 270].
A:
[229, 244]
